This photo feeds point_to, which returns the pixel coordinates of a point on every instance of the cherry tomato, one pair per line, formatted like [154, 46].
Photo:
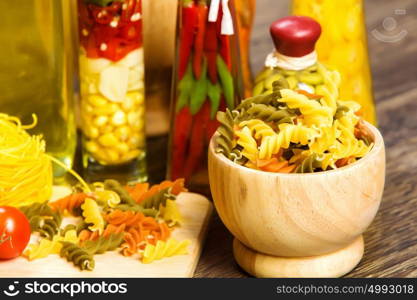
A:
[14, 232]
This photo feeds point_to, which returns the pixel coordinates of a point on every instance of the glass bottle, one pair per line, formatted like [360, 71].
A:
[159, 19]
[207, 79]
[36, 73]
[112, 89]
[343, 46]
[245, 13]
[295, 60]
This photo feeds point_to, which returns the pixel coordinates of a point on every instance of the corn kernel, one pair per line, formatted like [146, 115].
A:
[107, 109]
[132, 118]
[91, 146]
[128, 103]
[106, 129]
[111, 155]
[91, 131]
[108, 140]
[97, 100]
[122, 148]
[100, 121]
[122, 133]
[118, 118]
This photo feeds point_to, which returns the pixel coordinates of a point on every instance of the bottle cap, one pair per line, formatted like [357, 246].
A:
[295, 36]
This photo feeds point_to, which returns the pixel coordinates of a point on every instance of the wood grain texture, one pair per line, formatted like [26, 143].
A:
[196, 211]
[330, 265]
[391, 240]
[298, 215]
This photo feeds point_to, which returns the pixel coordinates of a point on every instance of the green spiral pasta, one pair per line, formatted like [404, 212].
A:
[269, 113]
[150, 212]
[42, 219]
[157, 199]
[237, 156]
[309, 164]
[225, 130]
[103, 244]
[80, 226]
[114, 185]
[340, 111]
[269, 99]
[77, 255]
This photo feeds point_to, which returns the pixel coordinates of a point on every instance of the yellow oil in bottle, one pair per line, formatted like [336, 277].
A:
[343, 46]
[35, 73]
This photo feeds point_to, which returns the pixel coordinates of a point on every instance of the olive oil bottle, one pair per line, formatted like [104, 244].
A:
[36, 75]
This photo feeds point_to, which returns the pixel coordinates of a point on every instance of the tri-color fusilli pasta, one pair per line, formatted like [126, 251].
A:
[295, 131]
[109, 217]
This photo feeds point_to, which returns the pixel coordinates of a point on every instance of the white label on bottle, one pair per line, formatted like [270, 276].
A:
[227, 21]
[276, 59]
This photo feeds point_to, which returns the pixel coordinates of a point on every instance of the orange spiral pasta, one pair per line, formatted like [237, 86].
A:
[88, 235]
[68, 203]
[128, 218]
[136, 238]
[176, 186]
[136, 191]
[275, 165]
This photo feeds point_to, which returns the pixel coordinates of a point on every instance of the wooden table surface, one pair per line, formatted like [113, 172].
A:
[391, 240]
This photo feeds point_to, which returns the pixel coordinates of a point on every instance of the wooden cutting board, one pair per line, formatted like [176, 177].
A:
[196, 211]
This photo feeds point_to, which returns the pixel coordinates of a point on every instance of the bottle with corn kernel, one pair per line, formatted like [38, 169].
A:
[343, 46]
[112, 89]
[294, 60]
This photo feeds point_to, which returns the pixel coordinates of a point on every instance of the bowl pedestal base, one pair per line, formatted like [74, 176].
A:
[334, 264]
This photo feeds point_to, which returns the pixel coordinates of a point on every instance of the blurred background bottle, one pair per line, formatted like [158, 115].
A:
[343, 46]
[207, 78]
[36, 73]
[245, 13]
[159, 19]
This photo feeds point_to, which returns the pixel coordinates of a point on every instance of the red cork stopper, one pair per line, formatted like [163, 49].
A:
[295, 36]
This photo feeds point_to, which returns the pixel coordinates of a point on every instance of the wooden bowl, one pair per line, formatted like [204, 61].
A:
[303, 225]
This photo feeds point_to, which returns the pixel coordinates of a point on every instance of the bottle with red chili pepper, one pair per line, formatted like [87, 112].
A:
[112, 89]
[207, 79]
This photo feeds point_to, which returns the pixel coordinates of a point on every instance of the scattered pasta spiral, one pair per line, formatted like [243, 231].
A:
[68, 203]
[42, 219]
[92, 214]
[46, 247]
[77, 255]
[25, 168]
[164, 249]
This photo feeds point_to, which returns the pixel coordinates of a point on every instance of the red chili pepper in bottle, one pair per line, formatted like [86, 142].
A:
[197, 141]
[224, 41]
[210, 50]
[199, 39]
[189, 25]
[183, 123]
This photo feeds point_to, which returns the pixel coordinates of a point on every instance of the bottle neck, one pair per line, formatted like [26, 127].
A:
[276, 59]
